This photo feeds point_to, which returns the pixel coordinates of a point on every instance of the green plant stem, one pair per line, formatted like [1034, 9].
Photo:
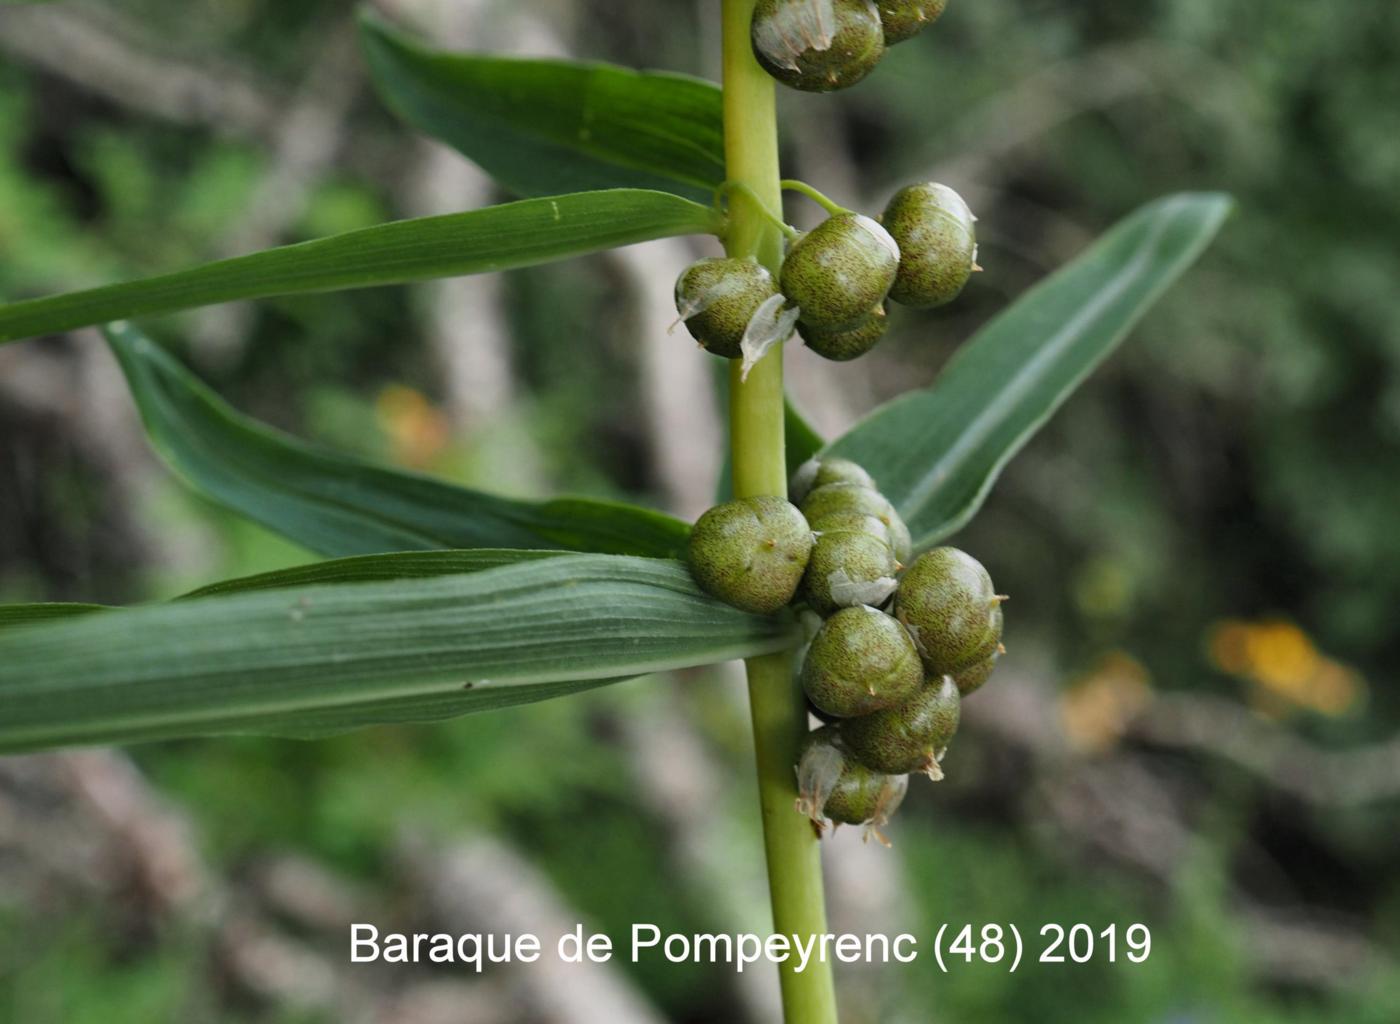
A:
[828, 204]
[756, 437]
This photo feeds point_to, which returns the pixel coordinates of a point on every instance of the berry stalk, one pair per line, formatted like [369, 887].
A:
[758, 449]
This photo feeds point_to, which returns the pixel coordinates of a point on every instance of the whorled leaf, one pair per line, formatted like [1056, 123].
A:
[503, 237]
[399, 565]
[12, 615]
[338, 505]
[541, 126]
[337, 655]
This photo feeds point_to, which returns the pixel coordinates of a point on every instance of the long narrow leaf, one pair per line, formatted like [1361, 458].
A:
[937, 452]
[345, 654]
[495, 238]
[400, 565]
[540, 127]
[28, 614]
[338, 505]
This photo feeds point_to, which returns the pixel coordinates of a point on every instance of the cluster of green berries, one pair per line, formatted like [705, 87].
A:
[836, 279]
[821, 45]
[897, 649]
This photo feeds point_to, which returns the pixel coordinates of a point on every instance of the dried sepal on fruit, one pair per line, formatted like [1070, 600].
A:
[751, 552]
[770, 325]
[947, 602]
[833, 785]
[860, 661]
[817, 45]
[840, 272]
[910, 737]
[904, 19]
[845, 344]
[937, 241]
[717, 297]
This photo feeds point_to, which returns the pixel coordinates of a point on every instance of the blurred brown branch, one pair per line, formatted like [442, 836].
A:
[1140, 814]
[85, 829]
[1224, 729]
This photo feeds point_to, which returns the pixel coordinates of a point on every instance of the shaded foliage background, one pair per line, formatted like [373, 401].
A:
[1195, 726]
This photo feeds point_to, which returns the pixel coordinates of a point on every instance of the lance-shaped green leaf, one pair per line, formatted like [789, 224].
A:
[398, 565]
[45, 611]
[501, 237]
[343, 654]
[540, 127]
[338, 505]
[937, 452]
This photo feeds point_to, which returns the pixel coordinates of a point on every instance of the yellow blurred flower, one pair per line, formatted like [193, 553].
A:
[1286, 669]
[1097, 709]
[417, 431]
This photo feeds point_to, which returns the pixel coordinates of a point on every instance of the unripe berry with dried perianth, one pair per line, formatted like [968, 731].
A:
[751, 552]
[947, 602]
[860, 661]
[839, 497]
[833, 521]
[832, 784]
[817, 45]
[839, 273]
[843, 345]
[904, 19]
[937, 244]
[817, 472]
[848, 566]
[718, 296]
[970, 680]
[910, 737]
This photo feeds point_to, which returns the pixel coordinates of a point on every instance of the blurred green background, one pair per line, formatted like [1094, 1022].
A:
[1195, 728]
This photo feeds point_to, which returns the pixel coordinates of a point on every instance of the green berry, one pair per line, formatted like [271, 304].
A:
[717, 297]
[904, 19]
[908, 738]
[948, 603]
[835, 470]
[751, 552]
[823, 501]
[832, 784]
[848, 567]
[969, 680]
[816, 473]
[860, 661]
[937, 244]
[845, 497]
[839, 273]
[844, 345]
[900, 538]
[853, 521]
[817, 45]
